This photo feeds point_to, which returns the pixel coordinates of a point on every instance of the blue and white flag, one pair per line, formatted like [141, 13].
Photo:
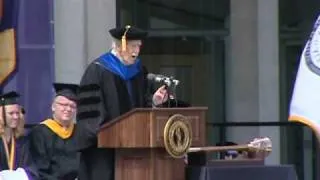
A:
[305, 102]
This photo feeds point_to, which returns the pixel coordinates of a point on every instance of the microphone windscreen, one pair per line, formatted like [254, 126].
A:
[151, 76]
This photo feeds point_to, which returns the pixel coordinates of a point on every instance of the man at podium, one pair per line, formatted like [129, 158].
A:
[112, 85]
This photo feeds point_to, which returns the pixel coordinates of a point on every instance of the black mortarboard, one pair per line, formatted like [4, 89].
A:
[69, 91]
[127, 33]
[9, 98]
[130, 33]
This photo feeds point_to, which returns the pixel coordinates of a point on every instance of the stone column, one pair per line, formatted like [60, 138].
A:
[252, 71]
[81, 35]
[69, 33]
[101, 16]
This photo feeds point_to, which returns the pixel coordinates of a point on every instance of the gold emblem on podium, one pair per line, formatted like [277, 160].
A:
[177, 136]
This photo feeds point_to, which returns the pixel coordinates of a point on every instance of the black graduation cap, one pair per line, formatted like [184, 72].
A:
[127, 33]
[69, 91]
[9, 98]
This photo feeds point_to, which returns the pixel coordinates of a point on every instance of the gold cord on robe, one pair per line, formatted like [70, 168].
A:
[10, 154]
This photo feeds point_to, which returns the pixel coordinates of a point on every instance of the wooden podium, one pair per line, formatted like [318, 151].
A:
[137, 137]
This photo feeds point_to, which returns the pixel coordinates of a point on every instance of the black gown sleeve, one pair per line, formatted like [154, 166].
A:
[91, 113]
[26, 161]
[40, 152]
[3, 158]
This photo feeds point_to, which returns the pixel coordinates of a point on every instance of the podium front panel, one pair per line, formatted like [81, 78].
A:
[195, 117]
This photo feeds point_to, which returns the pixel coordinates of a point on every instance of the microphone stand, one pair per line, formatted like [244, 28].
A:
[170, 86]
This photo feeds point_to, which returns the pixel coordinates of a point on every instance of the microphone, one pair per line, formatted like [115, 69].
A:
[162, 79]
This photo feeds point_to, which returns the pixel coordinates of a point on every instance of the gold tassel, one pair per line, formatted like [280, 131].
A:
[123, 39]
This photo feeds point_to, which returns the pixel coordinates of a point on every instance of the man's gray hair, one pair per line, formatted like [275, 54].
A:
[115, 43]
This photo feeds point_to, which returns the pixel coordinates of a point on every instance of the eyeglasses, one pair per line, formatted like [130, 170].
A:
[65, 105]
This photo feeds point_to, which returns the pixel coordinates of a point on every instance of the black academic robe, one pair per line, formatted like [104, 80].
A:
[22, 158]
[104, 96]
[55, 158]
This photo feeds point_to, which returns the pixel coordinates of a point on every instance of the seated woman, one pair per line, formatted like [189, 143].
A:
[15, 160]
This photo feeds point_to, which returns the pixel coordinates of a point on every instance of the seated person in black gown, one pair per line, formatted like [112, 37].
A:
[52, 141]
[15, 160]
